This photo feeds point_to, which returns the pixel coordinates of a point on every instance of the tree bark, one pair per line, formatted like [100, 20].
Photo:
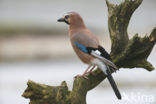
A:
[125, 52]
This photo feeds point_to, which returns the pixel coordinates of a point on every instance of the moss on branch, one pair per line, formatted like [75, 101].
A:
[44, 94]
[125, 52]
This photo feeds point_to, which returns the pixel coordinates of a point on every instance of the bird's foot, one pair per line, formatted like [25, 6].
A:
[91, 71]
[83, 76]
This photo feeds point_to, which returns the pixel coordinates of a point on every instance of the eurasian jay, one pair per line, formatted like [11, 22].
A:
[87, 47]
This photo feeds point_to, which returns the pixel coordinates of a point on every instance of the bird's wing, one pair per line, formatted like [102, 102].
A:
[106, 61]
[85, 38]
[81, 47]
[104, 53]
[99, 53]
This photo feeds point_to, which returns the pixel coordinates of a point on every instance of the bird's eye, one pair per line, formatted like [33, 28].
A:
[67, 16]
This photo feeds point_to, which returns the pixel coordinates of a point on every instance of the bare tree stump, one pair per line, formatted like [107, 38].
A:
[125, 52]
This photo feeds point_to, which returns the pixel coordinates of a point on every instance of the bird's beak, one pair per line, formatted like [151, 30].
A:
[61, 20]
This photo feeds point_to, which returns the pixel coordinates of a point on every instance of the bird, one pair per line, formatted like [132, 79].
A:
[87, 47]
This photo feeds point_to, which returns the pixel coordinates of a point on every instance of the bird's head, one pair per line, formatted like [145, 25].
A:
[72, 19]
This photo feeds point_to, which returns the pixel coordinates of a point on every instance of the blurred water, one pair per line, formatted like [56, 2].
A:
[13, 78]
[44, 13]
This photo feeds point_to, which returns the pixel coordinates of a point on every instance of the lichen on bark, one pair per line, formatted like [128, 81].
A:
[125, 52]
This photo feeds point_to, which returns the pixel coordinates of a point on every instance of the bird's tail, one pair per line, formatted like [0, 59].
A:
[114, 86]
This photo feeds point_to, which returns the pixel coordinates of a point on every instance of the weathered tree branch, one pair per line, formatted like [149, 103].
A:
[125, 52]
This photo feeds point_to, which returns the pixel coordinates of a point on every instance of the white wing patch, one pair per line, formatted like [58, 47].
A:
[107, 62]
[97, 52]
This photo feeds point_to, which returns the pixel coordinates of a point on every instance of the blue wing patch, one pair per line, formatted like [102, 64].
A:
[81, 47]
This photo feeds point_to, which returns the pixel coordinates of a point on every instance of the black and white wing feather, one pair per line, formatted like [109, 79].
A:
[101, 54]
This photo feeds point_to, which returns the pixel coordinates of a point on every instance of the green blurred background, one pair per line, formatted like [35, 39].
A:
[33, 45]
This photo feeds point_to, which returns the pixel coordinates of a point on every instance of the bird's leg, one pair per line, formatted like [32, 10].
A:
[92, 70]
[84, 74]
[86, 71]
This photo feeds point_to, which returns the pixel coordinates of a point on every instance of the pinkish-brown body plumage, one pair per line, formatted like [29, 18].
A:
[82, 40]
[78, 32]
